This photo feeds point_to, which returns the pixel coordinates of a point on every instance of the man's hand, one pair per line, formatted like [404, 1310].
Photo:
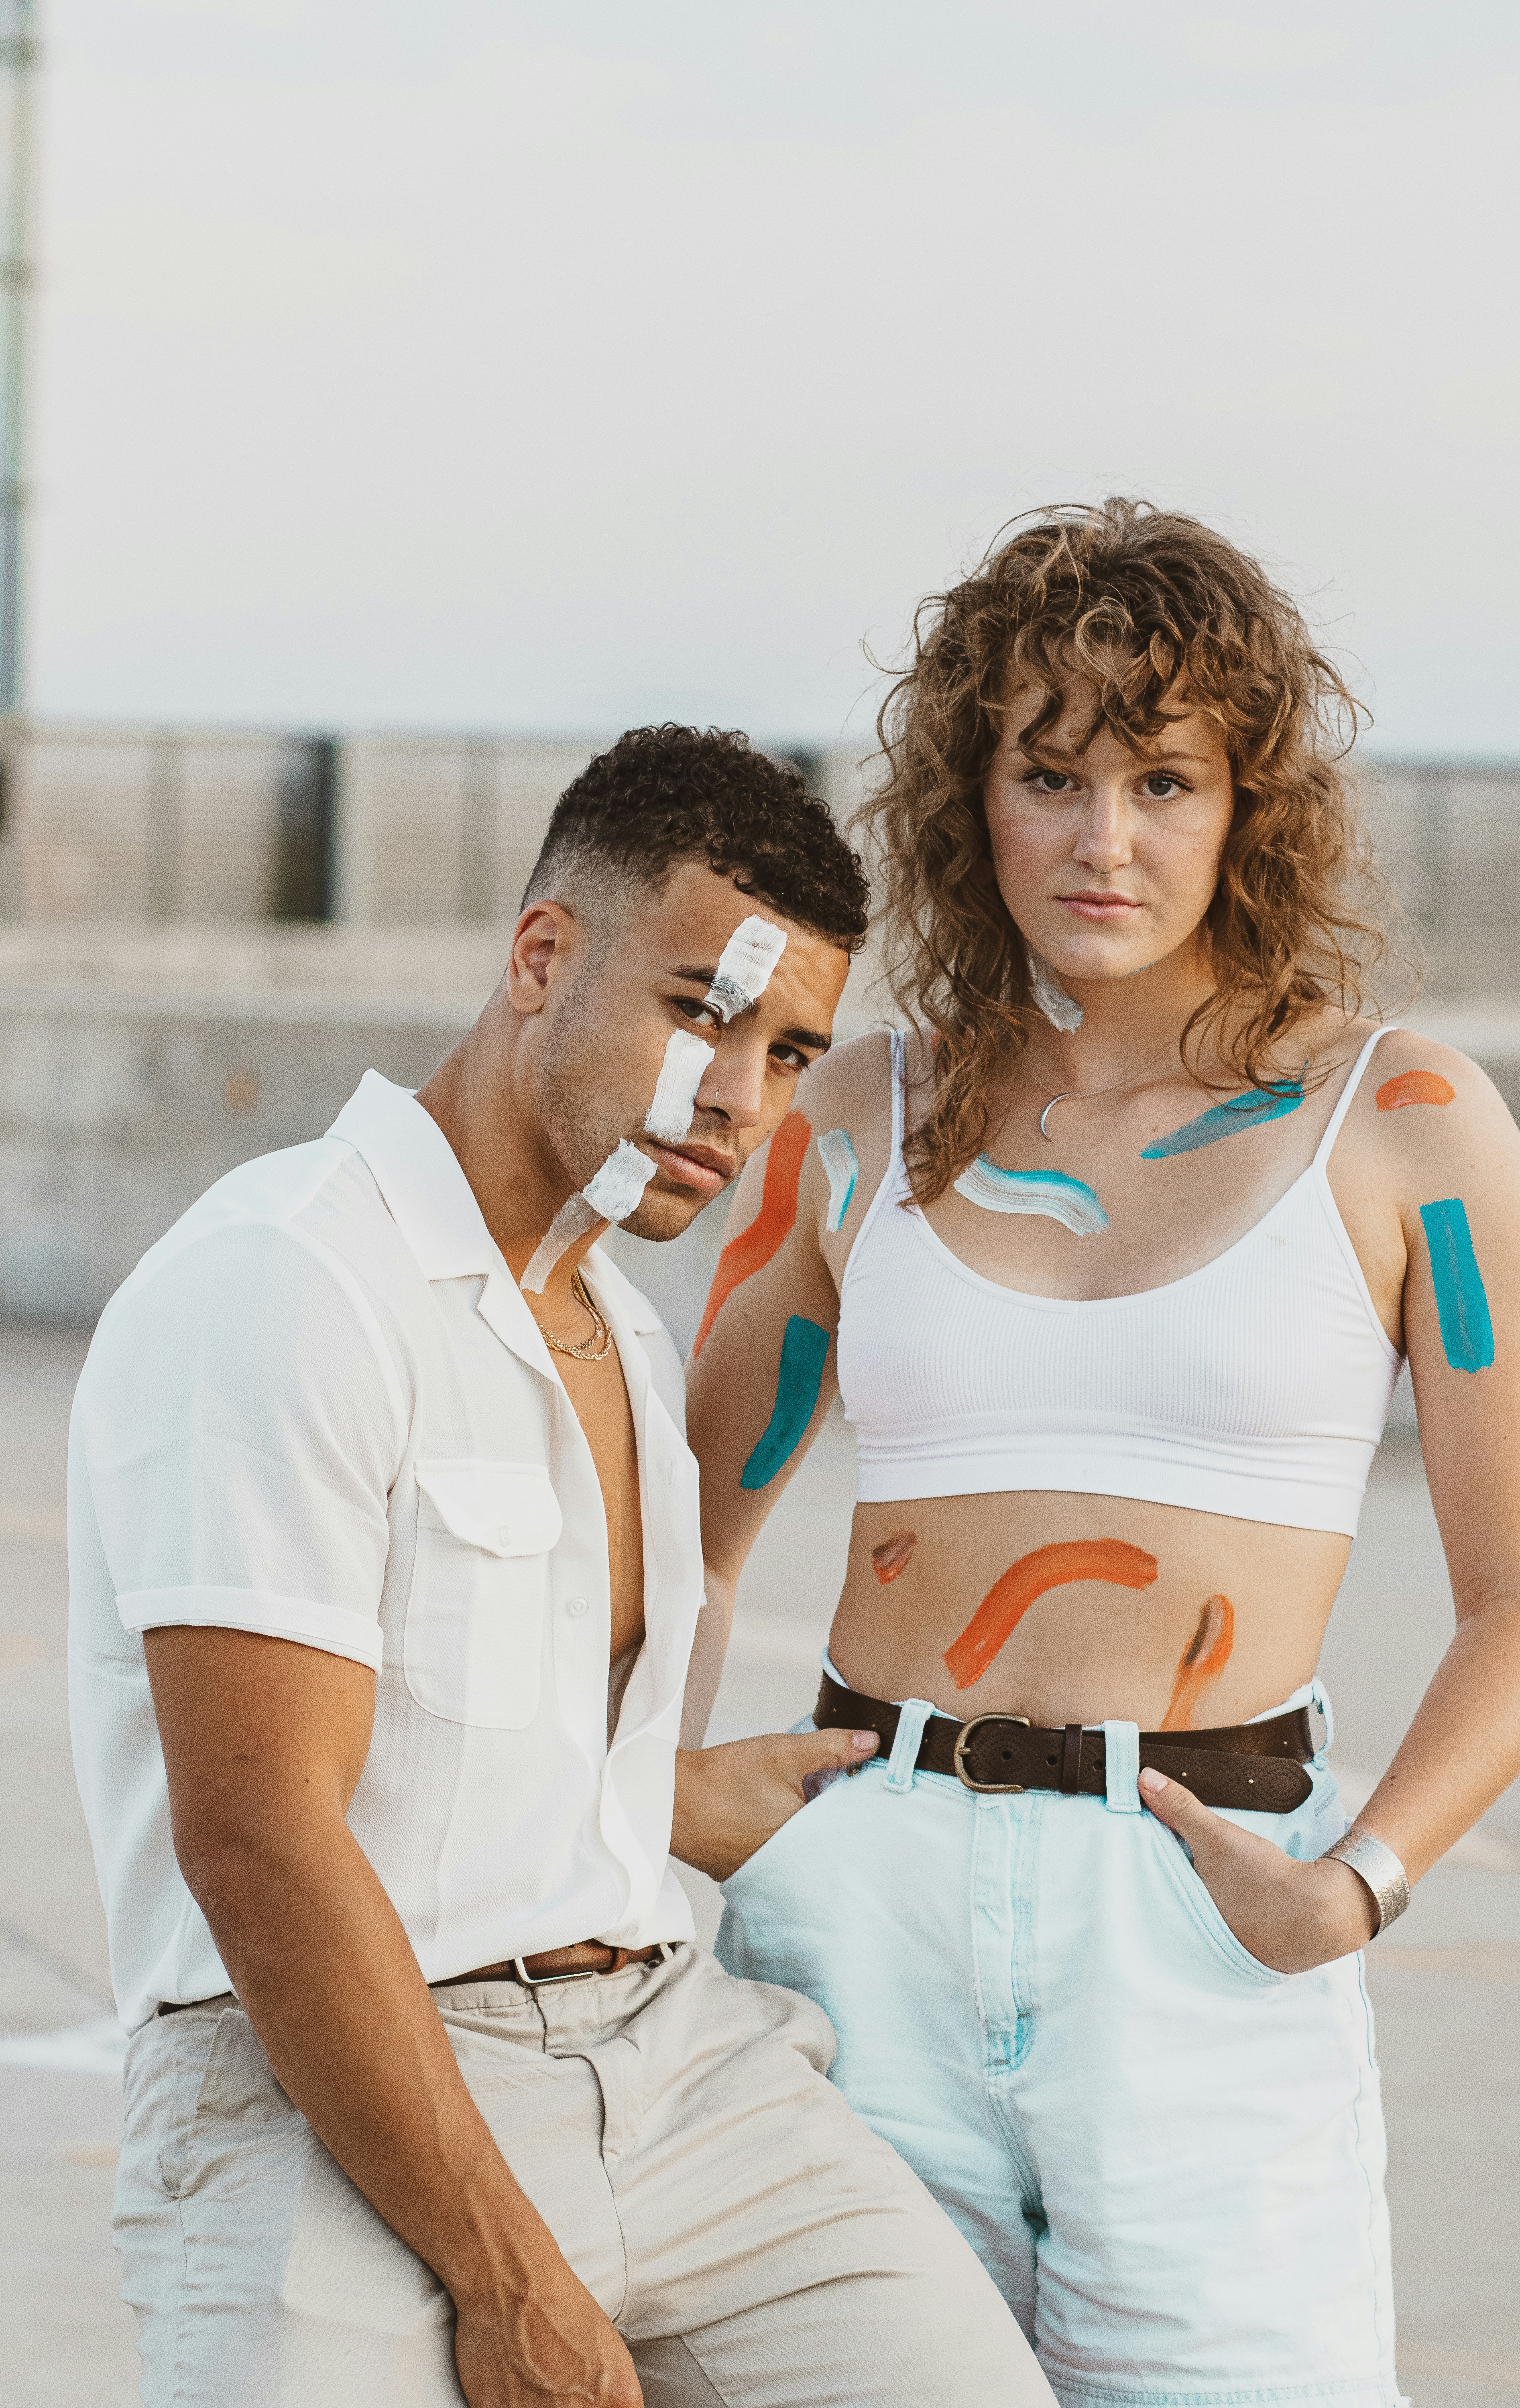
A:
[548, 2347]
[730, 1800]
[1290, 1915]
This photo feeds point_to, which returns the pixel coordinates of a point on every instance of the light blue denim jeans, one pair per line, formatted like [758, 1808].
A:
[1169, 2156]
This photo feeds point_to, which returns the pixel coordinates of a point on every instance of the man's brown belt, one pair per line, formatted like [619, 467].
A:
[1259, 1766]
[573, 1964]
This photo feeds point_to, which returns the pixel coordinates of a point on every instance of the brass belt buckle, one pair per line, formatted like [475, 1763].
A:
[987, 1789]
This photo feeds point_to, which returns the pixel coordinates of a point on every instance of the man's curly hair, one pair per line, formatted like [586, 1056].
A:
[662, 796]
[1158, 615]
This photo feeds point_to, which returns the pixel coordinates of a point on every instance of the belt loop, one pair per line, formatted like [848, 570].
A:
[1319, 1696]
[1120, 1759]
[1071, 1760]
[912, 1716]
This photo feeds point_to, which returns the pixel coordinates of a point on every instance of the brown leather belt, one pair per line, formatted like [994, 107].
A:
[576, 1963]
[1258, 1766]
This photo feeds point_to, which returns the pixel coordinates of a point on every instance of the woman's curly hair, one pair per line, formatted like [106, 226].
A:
[1161, 616]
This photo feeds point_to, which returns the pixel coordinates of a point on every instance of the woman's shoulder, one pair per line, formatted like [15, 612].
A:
[1419, 1102]
[850, 1086]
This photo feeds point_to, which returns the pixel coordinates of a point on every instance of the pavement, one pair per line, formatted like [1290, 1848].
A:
[1445, 1985]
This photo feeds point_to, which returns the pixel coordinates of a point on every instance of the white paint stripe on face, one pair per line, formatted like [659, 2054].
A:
[687, 1060]
[615, 1191]
[1051, 997]
[746, 964]
[611, 1196]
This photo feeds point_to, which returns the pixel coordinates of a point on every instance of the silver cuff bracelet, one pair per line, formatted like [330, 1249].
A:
[1379, 1868]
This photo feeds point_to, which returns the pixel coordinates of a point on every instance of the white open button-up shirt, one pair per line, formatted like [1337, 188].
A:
[320, 1409]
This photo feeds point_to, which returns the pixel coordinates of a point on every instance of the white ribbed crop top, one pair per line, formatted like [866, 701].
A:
[1256, 1387]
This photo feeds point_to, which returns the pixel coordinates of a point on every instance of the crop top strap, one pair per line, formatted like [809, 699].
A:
[894, 1184]
[899, 1083]
[1347, 1091]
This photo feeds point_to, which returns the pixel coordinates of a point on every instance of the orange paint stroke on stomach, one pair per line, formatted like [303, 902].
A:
[1009, 1600]
[754, 1248]
[1414, 1087]
[893, 1555]
[1207, 1655]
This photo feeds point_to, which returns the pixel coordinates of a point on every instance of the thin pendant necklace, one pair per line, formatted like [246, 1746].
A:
[1085, 1095]
[595, 1349]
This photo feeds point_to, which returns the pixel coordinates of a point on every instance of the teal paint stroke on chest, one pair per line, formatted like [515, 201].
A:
[1054, 1193]
[804, 1352]
[1466, 1330]
[1262, 1104]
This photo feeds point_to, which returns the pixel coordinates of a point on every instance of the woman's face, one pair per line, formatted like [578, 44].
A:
[1106, 859]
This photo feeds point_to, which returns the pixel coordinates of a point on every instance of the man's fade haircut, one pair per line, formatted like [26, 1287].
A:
[664, 795]
[1160, 614]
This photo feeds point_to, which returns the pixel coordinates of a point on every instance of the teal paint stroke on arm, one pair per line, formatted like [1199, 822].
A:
[1062, 1199]
[804, 1352]
[837, 1156]
[1250, 1110]
[1467, 1332]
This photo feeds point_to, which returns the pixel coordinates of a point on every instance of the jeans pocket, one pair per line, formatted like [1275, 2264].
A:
[181, 2087]
[1196, 1899]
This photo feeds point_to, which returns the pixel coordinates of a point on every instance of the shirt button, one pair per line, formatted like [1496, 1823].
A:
[575, 1607]
[504, 1536]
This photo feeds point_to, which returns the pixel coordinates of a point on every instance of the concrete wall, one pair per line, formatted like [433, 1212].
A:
[137, 1066]
[116, 1112]
[156, 1027]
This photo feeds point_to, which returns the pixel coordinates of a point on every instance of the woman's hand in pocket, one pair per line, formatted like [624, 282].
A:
[1289, 1914]
[730, 1800]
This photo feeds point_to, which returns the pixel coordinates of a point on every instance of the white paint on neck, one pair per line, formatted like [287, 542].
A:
[611, 1194]
[1051, 996]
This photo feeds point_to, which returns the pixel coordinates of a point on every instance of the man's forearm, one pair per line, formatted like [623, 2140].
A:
[318, 1960]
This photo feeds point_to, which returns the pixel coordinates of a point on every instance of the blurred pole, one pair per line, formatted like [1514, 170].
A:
[18, 56]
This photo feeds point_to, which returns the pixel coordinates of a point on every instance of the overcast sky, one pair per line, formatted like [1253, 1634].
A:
[550, 369]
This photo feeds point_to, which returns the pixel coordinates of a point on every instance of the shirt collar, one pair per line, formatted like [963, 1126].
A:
[419, 1174]
[433, 1206]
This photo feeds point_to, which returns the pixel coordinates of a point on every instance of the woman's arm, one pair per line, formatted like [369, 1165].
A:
[1441, 1174]
[761, 1374]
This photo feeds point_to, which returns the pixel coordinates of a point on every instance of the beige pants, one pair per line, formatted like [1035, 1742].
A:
[754, 2243]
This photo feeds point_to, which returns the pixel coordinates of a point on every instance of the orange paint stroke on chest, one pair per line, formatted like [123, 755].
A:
[1414, 1087]
[1009, 1600]
[1205, 1658]
[893, 1555]
[754, 1248]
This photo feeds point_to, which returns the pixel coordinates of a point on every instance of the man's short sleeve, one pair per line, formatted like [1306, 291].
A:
[240, 1421]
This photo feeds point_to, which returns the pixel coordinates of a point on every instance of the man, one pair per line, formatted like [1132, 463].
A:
[385, 1573]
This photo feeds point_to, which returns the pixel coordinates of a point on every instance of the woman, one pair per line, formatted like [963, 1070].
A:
[1116, 1257]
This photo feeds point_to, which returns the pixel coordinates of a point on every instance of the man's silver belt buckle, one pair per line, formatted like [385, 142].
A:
[987, 1789]
[545, 1981]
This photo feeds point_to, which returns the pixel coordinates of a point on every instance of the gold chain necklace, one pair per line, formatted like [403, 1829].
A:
[1085, 1095]
[595, 1349]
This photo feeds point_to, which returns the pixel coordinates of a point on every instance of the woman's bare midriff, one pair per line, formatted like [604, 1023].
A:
[1070, 1608]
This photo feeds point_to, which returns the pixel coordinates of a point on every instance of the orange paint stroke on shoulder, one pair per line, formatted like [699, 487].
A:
[752, 1249]
[1414, 1087]
[1208, 1652]
[1009, 1600]
[893, 1555]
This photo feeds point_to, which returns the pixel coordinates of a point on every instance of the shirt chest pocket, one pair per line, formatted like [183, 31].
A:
[473, 1644]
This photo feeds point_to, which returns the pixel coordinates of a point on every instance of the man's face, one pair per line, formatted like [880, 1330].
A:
[608, 1019]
